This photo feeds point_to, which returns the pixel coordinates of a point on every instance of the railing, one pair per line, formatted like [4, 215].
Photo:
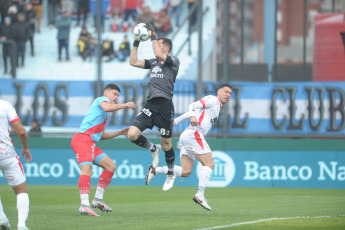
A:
[179, 30]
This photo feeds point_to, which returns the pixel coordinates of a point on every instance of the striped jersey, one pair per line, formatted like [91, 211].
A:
[7, 115]
[206, 111]
[95, 120]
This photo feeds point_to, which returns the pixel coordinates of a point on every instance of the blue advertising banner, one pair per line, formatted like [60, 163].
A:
[284, 169]
[312, 108]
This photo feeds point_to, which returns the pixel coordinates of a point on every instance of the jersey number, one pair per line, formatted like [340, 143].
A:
[164, 132]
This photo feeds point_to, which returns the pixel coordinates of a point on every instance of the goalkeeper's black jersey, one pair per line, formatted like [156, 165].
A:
[162, 78]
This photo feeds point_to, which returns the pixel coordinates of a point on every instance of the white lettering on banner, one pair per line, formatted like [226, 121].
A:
[123, 171]
[31, 170]
[43, 170]
[301, 173]
[292, 168]
[56, 170]
[73, 167]
[254, 172]
[331, 173]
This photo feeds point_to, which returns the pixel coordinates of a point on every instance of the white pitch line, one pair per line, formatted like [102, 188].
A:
[263, 220]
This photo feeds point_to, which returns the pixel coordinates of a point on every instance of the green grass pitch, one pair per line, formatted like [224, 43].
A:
[56, 207]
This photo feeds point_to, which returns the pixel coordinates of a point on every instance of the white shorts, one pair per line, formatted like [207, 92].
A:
[13, 171]
[193, 142]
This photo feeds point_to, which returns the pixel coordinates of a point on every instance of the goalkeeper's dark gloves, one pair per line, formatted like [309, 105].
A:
[152, 30]
[136, 43]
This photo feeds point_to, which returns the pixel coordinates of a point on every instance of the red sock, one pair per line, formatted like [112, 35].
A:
[84, 184]
[104, 179]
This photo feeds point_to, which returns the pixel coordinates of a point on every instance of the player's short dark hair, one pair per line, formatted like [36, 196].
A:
[112, 86]
[167, 42]
[224, 85]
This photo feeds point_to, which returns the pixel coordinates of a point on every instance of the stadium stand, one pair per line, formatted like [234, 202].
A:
[44, 65]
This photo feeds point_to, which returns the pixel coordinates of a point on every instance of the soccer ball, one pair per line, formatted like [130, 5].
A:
[140, 32]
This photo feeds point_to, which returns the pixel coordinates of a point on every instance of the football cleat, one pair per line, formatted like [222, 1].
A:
[155, 156]
[4, 224]
[169, 182]
[151, 173]
[23, 228]
[87, 210]
[99, 203]
[203, 203]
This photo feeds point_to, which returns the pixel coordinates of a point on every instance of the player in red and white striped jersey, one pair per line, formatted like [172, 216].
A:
[203, 115]
[10, 165]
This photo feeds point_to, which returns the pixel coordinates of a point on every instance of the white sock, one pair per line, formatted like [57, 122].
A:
[164, 170]
[205, 175]
[23, 208]
[99, 193]
[2, 214]
[85, 199]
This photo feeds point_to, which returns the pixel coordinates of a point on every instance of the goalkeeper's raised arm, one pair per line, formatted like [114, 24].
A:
[133, 58]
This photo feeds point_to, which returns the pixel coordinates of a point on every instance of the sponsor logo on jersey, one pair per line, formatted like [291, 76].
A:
[223, 172]
[147, 112]
[156, 72]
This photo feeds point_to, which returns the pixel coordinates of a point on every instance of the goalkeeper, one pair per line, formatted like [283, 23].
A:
[159, 109]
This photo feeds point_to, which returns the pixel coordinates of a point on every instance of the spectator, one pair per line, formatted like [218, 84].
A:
[108, 49]
[193, 18]
[83, 6]
[37, 7]
[30, 18]
[12, 12]
[64, 26]
[116, 20]
[19, 5]
[21, 35]
[93, 8]
[146, 17]
[5, 4]
[175, 9]
[92, 48]
[35, 129]
[53, 6]
[130, 11]
[8, 45]
[68, 5]
[163, 24]
[124, 51]
[84, 41]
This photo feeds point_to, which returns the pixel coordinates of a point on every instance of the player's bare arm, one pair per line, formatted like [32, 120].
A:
[106, 136]
[158, 50]
[108, 107]
[23, 137]
[133, 58]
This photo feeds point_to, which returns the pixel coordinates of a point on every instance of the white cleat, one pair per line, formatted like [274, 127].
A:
[99, 203]
[4, 224]
[87, 210]
[155, 156]
[151, 173]
[202, 202]
[169, 182]
[23, 228]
